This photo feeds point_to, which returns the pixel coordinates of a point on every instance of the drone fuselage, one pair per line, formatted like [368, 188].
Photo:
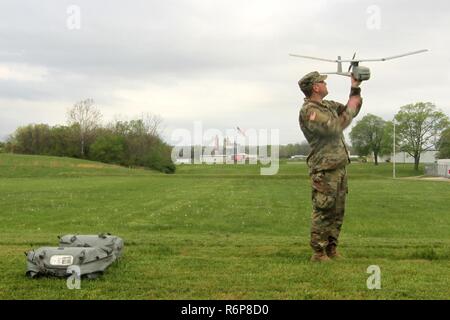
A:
[361, 73]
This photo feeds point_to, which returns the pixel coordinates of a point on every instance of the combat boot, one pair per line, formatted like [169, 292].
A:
[320, 256]
[332, 252]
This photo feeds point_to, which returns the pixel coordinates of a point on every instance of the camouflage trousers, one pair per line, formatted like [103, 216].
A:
[329, 190]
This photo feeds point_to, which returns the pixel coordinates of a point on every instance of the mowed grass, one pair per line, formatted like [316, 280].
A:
[223, 231]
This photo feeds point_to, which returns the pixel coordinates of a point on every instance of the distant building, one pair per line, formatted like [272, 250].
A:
[439, 169]
[221, 159]
[403, 157]
[298, 157]
[183, 161]
[443, 168]
[213, 159]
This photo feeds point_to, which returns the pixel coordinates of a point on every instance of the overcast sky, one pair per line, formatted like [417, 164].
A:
[224, 63]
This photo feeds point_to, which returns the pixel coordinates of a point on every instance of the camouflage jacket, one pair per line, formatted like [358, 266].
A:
[323, 124]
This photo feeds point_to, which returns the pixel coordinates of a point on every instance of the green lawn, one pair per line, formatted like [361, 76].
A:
[223, 231]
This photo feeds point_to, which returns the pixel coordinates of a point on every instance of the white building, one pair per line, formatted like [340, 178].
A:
[183, 161]
[439, 169]
[443, 168]
[213, 159]
[403, 157]
[298, 157]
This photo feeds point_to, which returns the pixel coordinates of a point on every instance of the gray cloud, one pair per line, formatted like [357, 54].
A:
[226, 61]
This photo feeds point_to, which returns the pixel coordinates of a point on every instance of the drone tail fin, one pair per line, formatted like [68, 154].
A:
[339, 65]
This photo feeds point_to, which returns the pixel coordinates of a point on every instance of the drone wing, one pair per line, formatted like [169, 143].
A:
[387, 58]
[313, 58]
[360, 60]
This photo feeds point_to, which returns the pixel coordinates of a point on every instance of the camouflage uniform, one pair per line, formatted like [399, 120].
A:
[323, 124]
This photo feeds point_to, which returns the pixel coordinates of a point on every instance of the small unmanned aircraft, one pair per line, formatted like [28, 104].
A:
[359, 72]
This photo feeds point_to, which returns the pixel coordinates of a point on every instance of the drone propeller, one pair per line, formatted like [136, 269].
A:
[351, 65]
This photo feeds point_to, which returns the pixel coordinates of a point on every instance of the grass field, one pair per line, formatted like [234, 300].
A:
[223, 232]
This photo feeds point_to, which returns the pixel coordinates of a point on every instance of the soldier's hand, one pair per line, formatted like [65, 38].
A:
[355, 83]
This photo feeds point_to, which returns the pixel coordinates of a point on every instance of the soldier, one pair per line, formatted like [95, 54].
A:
[322, 123]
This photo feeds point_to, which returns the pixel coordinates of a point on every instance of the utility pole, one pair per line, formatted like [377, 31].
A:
[235, 150]
[393, 157]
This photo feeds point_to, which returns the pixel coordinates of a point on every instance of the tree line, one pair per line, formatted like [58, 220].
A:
[131, 143]
[419, 127]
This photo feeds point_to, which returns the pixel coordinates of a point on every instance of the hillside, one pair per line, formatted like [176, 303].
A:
[26, 166]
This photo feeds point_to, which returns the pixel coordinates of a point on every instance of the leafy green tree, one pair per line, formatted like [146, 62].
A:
[64, 142]
[108, 148]
[31, 139]
[371, 135]
[159, 158]
[304, 148]
[444, 145]
[419, 128]
[44, 140]
[142, 144]
[290, 149]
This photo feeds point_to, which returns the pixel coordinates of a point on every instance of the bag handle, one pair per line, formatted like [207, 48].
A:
[104, 235]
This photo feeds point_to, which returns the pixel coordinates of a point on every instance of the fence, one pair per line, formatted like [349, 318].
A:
[437, 170]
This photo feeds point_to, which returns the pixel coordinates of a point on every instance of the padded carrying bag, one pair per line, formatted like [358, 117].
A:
[92, 254]
[54, 261]
[109, 243]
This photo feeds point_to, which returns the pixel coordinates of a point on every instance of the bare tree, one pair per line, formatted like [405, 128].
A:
[87, 118]
[152, 123]
[145, 123]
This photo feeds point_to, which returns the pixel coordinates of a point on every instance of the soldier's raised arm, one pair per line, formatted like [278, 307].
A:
[351, 109]
[323, 123]
[355, 101]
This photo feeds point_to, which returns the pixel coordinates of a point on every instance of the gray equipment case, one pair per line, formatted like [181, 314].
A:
[92, 254]
[105, 241]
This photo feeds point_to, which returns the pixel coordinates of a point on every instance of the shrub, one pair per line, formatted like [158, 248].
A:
[108, 148]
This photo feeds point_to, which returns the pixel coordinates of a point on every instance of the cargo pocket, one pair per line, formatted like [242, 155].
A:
[324, 189]
[323, 201]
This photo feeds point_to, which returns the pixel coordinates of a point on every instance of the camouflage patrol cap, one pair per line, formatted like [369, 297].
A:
[308, 80]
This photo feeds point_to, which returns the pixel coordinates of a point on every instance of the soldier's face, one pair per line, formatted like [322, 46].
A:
[321, 88]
